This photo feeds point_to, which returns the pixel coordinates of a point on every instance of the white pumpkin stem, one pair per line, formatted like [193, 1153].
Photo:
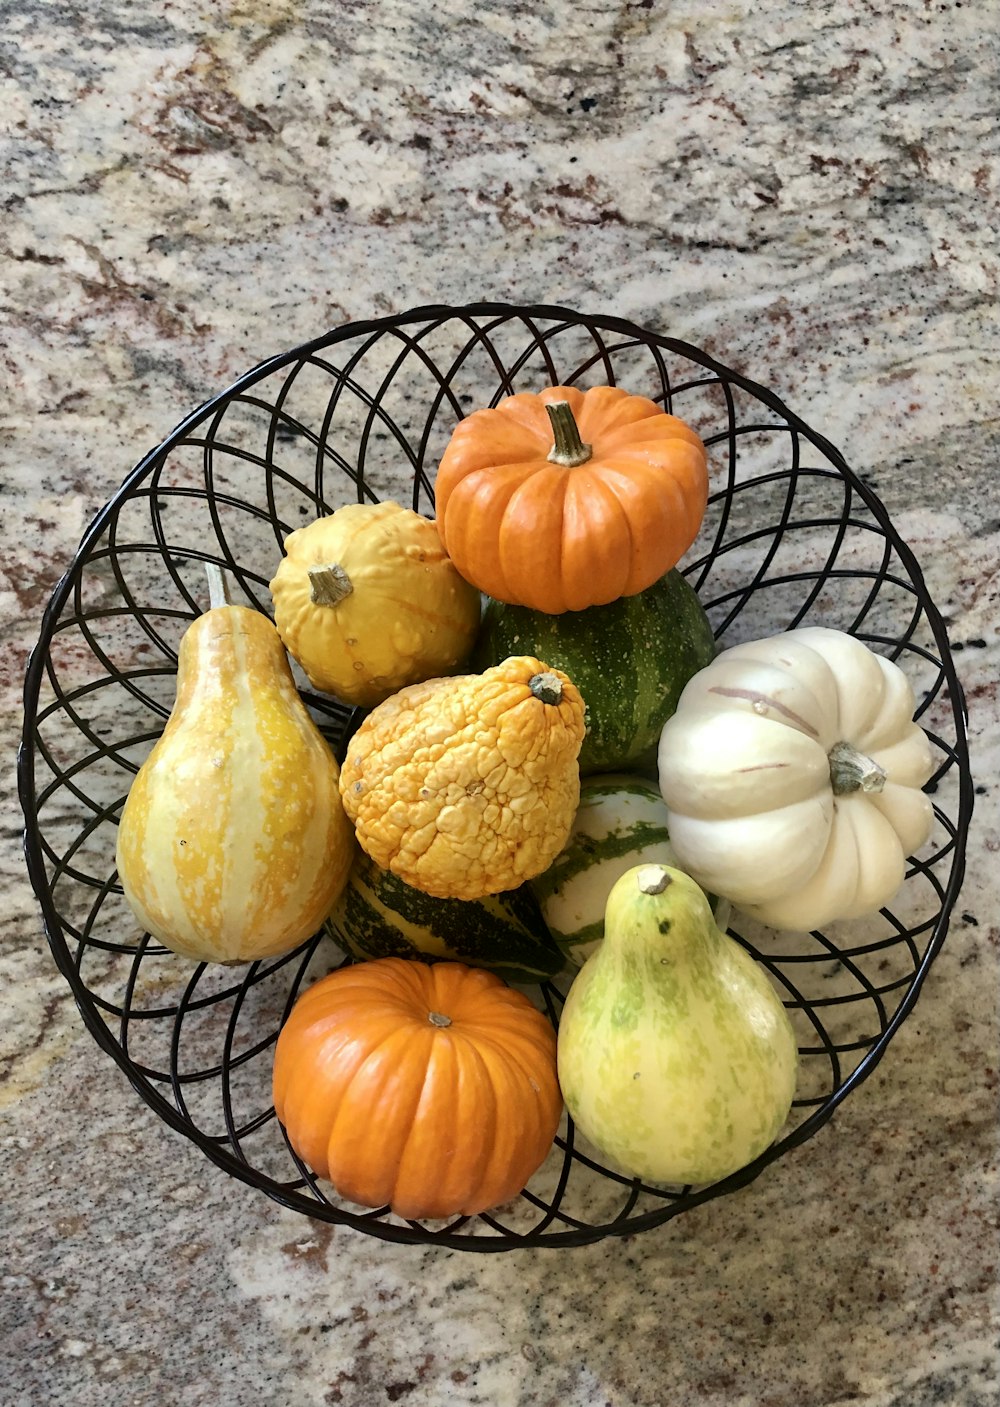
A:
[546, 687]
[568, 450]
[329, 585]
[851, 770]
[218, 586]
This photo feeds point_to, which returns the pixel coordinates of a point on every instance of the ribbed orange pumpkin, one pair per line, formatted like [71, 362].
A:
[430, 1089]
[569, 499]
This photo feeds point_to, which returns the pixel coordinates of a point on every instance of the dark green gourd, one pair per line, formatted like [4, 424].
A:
[629, 659]
[379, 916]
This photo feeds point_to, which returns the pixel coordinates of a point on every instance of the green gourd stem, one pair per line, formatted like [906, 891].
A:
[568, 450]
[546, 687]
[851, 770]
[218, 586]
[652, 879]
[437, 1018]
[329, 585]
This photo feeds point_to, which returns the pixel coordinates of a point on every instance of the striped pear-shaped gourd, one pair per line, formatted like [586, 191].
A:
[233, 844]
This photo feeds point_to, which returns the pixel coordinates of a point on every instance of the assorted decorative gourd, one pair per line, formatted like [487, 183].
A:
[630, 659]
[379, 916]
[792, 769]
[367, 600]
[783, 776]
[676, 1057]
[468, 786]
[621, 822]
[429, 1089]
[233, 843]
[569, 498]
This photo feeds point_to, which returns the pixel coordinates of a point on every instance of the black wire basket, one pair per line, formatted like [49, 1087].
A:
[791, 537]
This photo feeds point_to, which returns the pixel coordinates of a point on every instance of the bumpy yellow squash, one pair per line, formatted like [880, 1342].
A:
[233, 844]
[367, 600]
[468, 786]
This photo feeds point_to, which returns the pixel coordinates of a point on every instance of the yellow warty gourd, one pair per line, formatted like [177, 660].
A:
[367, 600]
[468, 786]
[233, 844]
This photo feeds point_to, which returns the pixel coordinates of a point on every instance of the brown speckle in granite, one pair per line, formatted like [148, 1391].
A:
[312, 1248]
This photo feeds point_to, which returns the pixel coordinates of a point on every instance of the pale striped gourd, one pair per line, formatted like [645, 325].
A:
[233, 844]
[621, 822]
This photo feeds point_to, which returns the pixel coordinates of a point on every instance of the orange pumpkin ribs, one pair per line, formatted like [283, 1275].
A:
[569, 499]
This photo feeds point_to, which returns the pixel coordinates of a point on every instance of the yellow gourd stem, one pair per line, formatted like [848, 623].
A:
[218, 586]
[546, 687]
[329, 585]
[652, 879]
[569, 449]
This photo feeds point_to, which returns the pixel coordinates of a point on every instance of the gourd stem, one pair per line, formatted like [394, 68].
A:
[653, 879]
[218, 586]
[438, 1018]
[851, 770]
[546, 687]
[329, 585]
[569, 449]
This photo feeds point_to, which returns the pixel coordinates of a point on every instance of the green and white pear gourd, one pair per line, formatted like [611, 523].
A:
[676, 1057]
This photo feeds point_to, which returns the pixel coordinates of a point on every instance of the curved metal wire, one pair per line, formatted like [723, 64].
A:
[372, 400]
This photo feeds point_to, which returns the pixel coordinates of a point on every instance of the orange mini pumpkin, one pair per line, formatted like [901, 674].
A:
[569, 499]
[430, 1089]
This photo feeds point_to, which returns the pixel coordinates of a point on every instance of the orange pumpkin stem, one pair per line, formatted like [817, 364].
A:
[568, 449]
[438, 1018]
[329, 585]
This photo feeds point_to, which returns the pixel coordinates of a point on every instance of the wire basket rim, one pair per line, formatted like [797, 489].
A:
[53, 924]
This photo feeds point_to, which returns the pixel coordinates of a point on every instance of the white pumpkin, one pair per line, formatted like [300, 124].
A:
[792, 771]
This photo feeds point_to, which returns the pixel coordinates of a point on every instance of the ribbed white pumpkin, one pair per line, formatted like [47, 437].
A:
[792, 772]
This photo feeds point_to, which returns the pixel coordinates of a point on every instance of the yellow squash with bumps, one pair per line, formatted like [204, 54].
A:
[468, 786]
[367, 600]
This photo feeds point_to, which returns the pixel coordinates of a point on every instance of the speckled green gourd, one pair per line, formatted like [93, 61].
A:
[676, 1057]
[629, 659]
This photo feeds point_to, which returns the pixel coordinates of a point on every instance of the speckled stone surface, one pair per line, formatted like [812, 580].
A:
[810, 193]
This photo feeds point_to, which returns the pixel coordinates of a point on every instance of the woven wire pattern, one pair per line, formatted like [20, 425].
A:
[791, 537]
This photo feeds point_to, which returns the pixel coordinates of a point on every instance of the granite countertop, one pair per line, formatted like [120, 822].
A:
[809, 193]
